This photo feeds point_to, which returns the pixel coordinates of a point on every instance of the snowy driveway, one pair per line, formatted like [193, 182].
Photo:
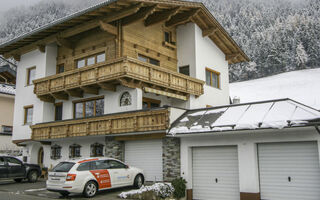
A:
[36, 191]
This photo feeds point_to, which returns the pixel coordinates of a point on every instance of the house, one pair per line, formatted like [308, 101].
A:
[7, 92]
[111, 79]
[301, 85]
[262, 150]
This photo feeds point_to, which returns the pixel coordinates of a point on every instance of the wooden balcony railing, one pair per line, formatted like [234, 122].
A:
[126, 71]
[138, 121]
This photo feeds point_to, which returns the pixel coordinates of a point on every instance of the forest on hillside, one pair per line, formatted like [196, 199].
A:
[277, 35]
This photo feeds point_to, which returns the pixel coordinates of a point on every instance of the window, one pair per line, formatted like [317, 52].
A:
[28, 113]
[91, 60]
[167, 37]
[212, 78]
[185, 70]
[31, 75]
[148, 60]
[13, 162]
[89, 108]
[60, 69]
[58, 111]
[102, 164]
[125, 99]
[63, 167]
[113, 164]
[84, 166]
[74, 151]
[1, 161]
[7, 129]
[55, 152]
[96, 150]
[150, 103]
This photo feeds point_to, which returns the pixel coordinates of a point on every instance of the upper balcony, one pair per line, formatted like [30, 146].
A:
[124, 71]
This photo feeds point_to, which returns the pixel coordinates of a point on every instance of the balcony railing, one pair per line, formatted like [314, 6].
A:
[126, 71]
[130, 122]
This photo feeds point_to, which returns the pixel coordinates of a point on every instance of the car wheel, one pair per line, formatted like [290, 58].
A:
[18, 180]
[90, 189]
[33, 176]
[138, 181]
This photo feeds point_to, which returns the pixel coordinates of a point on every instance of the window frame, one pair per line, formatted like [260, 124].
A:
[72, 151]
[148, 59]
[60, 104]
[26, 108]
[149, 101]
[185, 66]
[59, 67]
[83, 101]
[91, 56]
[93, 148]
[211, 71]
[54, 149]
[3, 129]
[29, 82]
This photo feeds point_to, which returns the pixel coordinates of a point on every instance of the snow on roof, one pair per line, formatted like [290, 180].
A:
[8, 89]
[278, 114]
[302, 86]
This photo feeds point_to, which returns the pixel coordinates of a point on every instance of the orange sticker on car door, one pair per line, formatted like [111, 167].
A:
[103, 178]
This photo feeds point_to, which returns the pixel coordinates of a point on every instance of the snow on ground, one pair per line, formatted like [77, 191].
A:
[302, 86]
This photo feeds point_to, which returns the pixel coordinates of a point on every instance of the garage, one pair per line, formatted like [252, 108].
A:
[146, 155]
[215, 173]
[289, 171]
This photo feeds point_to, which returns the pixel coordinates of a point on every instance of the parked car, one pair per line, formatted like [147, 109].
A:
[88, 176]
[12, 168]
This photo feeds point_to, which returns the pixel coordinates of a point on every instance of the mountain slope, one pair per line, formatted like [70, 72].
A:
[302, 86]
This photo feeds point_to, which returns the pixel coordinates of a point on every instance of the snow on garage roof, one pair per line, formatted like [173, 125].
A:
[8, 89]
[278, 114]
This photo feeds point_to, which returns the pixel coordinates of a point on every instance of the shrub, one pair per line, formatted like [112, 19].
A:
[179, 185]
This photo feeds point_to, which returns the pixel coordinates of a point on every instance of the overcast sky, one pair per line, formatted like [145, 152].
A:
[7, 4]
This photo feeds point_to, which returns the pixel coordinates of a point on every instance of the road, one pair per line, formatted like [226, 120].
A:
[10, 190]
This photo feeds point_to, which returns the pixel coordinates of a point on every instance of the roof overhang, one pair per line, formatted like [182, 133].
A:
[177, 12]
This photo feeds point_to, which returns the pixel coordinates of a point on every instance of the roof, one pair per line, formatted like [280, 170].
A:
[302, 86]
[273, 114]
[7, 89]
[63, 27]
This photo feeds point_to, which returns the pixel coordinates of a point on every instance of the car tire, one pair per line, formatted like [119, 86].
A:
[33, 176]
[18, 180]
[138, 181]
[90, 189]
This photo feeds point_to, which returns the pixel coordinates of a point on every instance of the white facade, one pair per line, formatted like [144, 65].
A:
[246, 143]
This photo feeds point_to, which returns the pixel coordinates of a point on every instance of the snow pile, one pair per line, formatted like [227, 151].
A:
[302, 86]
[159, 189]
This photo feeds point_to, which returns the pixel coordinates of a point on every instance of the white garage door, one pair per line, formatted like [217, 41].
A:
[215, 173]
[146, 155]
[289, 171]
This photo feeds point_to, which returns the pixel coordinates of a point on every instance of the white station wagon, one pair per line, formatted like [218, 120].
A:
[90, 175]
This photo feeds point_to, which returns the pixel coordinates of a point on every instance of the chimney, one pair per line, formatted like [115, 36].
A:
[236, 100]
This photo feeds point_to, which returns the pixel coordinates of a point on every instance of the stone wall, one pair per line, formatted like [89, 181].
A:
[114, 149]
[171, 158]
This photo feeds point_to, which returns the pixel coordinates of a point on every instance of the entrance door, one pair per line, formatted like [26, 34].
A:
[40, 157]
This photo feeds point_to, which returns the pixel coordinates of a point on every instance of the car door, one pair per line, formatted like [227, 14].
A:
[15, 168]
[119, 173]
[3, 168]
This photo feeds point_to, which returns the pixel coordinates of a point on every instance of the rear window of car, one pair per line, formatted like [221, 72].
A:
[63, 167]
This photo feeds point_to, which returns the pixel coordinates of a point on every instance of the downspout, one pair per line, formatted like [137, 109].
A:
[317, 128]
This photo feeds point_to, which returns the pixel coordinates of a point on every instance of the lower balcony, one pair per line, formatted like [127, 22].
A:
[112, 124]
[125, 71]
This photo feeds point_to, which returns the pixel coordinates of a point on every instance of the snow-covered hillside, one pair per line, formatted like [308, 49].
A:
[302, 86]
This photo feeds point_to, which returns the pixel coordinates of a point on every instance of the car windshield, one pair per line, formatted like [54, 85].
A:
[63, 167]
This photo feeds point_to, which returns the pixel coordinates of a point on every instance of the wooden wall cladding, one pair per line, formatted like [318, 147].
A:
[149, 41]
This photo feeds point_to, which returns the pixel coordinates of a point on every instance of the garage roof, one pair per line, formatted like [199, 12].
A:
[277, 114]
[185, 11]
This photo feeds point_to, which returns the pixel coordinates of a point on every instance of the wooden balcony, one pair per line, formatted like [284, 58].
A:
[119, 123]
[124, 71]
